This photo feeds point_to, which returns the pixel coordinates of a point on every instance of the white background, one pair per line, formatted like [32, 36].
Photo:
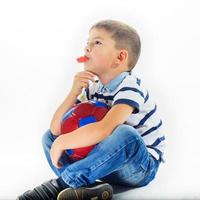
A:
[39, 43]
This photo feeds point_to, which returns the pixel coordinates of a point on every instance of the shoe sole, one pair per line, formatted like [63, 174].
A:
[99, 192]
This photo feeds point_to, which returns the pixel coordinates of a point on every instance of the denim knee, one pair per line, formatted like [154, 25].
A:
[47, 138]
[126, 132]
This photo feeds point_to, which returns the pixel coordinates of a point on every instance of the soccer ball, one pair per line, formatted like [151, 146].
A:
[80, 115]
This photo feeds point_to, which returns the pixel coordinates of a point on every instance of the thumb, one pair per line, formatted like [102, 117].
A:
[59, 165]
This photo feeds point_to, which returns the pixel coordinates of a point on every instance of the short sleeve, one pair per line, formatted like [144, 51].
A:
[130, 96]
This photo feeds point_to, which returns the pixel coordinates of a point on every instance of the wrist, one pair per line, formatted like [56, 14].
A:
[59, 143]
[73, 94]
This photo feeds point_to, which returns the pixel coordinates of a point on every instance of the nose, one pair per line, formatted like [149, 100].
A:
[87, 49]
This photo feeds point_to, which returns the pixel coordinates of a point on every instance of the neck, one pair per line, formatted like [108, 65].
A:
[106, 78]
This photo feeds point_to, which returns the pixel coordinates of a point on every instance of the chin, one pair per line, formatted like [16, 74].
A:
[90, 68]
[86, 68]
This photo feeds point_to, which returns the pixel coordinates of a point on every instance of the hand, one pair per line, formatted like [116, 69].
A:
[81, 80]
[56, 153]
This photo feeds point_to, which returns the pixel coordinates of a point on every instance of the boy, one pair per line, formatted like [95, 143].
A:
[129, 139]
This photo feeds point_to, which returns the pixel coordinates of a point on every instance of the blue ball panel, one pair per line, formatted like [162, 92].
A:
[86, 120]
[70, 152]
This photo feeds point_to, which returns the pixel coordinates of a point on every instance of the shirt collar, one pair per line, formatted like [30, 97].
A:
[112, 85]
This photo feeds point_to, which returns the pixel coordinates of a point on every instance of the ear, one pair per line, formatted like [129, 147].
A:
[122, 56]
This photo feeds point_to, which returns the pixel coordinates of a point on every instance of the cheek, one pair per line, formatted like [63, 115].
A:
[99, 57]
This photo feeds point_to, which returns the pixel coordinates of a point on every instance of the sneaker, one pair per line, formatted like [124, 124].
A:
[48, 190]
[96, 191]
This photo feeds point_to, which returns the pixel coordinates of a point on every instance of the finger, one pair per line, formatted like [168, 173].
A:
[82, 80]
[86, 74]
[90, 72]
[84, 84]
[59, 165]
[55, 164]
[87, 78]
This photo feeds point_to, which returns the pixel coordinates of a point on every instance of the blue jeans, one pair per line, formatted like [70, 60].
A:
[121, 158]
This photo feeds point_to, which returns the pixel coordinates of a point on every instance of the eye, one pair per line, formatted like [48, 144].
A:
[97, 42]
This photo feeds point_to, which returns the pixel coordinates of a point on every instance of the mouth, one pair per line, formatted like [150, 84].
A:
[83, 59]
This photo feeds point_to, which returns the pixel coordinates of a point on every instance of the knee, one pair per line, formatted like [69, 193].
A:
[47, 138]
[126, 132]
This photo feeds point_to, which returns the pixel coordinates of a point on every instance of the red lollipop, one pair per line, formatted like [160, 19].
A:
[82, 59]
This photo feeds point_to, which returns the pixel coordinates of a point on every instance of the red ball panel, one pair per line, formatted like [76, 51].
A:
[81, 111]
[69, 125]
[99, 113]
[81, 153]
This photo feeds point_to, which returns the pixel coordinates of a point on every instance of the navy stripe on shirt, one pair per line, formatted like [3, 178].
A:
[158, 141]
[110, 97]
[101, 96]
[129, 102]
[147, 116]
[138, 81]
[147, 97]
[87, 93]
[152, 129]
[158, 152]
[77, 101]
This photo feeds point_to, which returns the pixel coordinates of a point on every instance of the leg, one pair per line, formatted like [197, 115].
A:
[123, 149]
[130, 176]
[47, 140]
[54, 187]
[138, 170]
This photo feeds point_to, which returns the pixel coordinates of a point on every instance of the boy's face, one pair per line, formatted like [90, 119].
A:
[101, 52]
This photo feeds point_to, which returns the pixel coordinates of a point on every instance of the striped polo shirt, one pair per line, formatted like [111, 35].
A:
[126, 88]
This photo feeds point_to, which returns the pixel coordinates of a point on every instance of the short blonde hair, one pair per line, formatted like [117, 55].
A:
[125, 37]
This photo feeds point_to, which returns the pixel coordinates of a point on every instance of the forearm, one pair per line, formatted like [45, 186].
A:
[87, 135]
[62, 109]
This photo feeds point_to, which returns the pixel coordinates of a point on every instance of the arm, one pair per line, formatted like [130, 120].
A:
[95, 132]
[81, 80]
[64, 107]
[90, 134]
